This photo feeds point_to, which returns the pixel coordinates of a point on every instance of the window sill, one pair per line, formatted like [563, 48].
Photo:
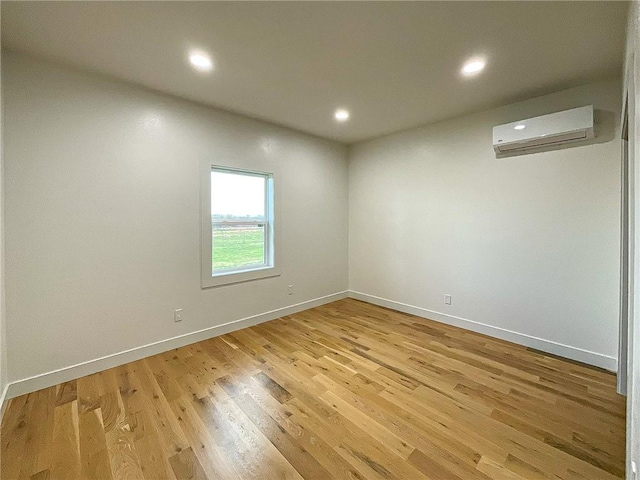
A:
[238, 277]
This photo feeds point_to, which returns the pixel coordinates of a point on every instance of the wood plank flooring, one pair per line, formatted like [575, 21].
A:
[346, 391]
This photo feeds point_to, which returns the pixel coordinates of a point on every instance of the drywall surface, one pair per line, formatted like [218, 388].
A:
[102, 191]
[527, 246]
[3, 336]
[632, 90]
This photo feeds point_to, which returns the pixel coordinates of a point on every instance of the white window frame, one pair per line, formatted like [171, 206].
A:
[245, 274]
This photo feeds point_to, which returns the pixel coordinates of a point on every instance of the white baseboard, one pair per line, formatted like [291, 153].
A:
[573, 353]
[44, 380]
[48, 379]
[4, 401]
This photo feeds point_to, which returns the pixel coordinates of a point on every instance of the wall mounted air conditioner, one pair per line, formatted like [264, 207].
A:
[548, 130]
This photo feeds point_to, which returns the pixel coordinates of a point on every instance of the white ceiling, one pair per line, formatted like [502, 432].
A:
[394, 65]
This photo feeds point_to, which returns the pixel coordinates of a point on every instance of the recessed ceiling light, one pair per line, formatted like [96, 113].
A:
[520, 127]
[341, 115]
[473, 67]
[201, 61]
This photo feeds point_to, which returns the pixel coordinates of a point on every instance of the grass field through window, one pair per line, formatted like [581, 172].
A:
[237, 247]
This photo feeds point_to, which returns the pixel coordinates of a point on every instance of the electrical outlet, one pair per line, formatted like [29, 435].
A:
[290, 290]
[447, 299]
[177, 315]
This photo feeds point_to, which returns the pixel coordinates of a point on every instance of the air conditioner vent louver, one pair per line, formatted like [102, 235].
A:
[548, 130]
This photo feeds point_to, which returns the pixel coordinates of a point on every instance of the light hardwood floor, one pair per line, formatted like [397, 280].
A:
[348, 390]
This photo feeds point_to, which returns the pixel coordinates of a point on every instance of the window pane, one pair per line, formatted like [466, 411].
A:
[237, 197]
[238, 220]
[237, 246]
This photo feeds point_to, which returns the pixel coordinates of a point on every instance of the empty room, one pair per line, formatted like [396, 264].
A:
[320, 240]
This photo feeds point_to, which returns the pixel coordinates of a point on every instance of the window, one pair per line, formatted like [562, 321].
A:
[238, 226]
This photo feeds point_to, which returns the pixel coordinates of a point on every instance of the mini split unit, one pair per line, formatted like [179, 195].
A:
[545, 131]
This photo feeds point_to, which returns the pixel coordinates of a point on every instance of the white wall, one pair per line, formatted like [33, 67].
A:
[528, 246]
[632, 88]
[102, 218]
[3, 338]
